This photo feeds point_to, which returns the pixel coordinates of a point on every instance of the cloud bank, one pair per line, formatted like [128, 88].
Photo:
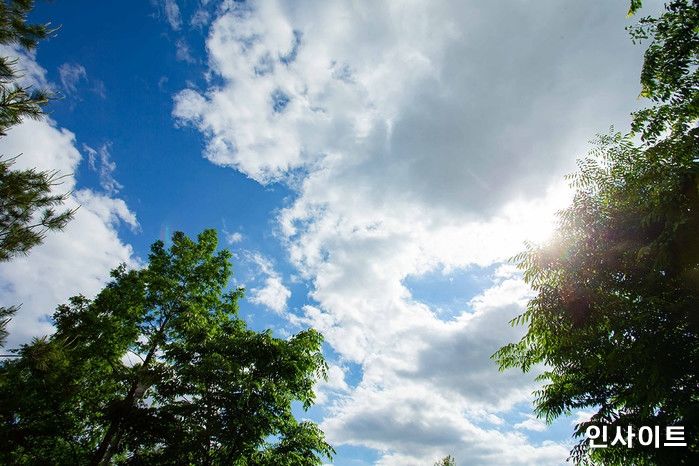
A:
[417, 138]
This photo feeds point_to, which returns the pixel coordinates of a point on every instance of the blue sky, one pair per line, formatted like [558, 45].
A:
[372, 165]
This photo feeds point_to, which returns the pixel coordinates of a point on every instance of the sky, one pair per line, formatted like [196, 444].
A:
[372, 166]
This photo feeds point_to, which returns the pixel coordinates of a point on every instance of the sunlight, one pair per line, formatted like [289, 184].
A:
[535, 220]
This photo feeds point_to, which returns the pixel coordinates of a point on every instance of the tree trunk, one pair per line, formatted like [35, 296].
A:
[109, 444]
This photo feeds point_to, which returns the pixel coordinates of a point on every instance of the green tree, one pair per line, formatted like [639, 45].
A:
[159, 369]
[27, 201]
[615, 319]
[446, 461]
[670, 74]
[6, 314]
[635, 6]
[28, 208]
[18, 102]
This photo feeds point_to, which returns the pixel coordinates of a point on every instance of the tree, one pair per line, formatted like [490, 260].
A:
[17, 102]
[27, 199]
[614, 319]
[617, 288]
[27, 208]
[446, 461]
[634, 7]
[159, 369]
[670, 74]
[6, 314]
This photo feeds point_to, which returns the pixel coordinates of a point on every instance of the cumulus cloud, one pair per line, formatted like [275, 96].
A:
[76, 260]
[415, 139]
[273, 294]
[412, 426]
[332, 387]
[432, 389]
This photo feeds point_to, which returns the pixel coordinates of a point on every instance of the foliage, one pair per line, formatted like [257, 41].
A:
[614, 318]
[17, 102]
[446, 461]
[27, 200]
[6, 314]
[670, 74]
[27, 208]
[159, 369]
[635, 6]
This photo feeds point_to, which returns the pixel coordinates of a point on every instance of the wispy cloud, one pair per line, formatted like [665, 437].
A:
[99, 88]
[100, 161]
[233, 238]
[172, 14]
[200, 18]
[182, 51]
[70, 75]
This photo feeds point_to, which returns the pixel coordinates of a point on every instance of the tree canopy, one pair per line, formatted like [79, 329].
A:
[18, 102]
[160, 369]
[614, 321]
[670, 74]
[614, 318]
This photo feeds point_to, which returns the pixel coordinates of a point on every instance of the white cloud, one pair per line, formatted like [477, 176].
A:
[431, 388]
[532, 423]
[100, 161]
[416, 139]
[99, 88]
[273, 294]
[505, 271]
[172, 14]
[332, 387]
[76, 260]
[200, 18]
[71, 74]
[182, 52]
[233, 238]
[414, 425]
[29, 70]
